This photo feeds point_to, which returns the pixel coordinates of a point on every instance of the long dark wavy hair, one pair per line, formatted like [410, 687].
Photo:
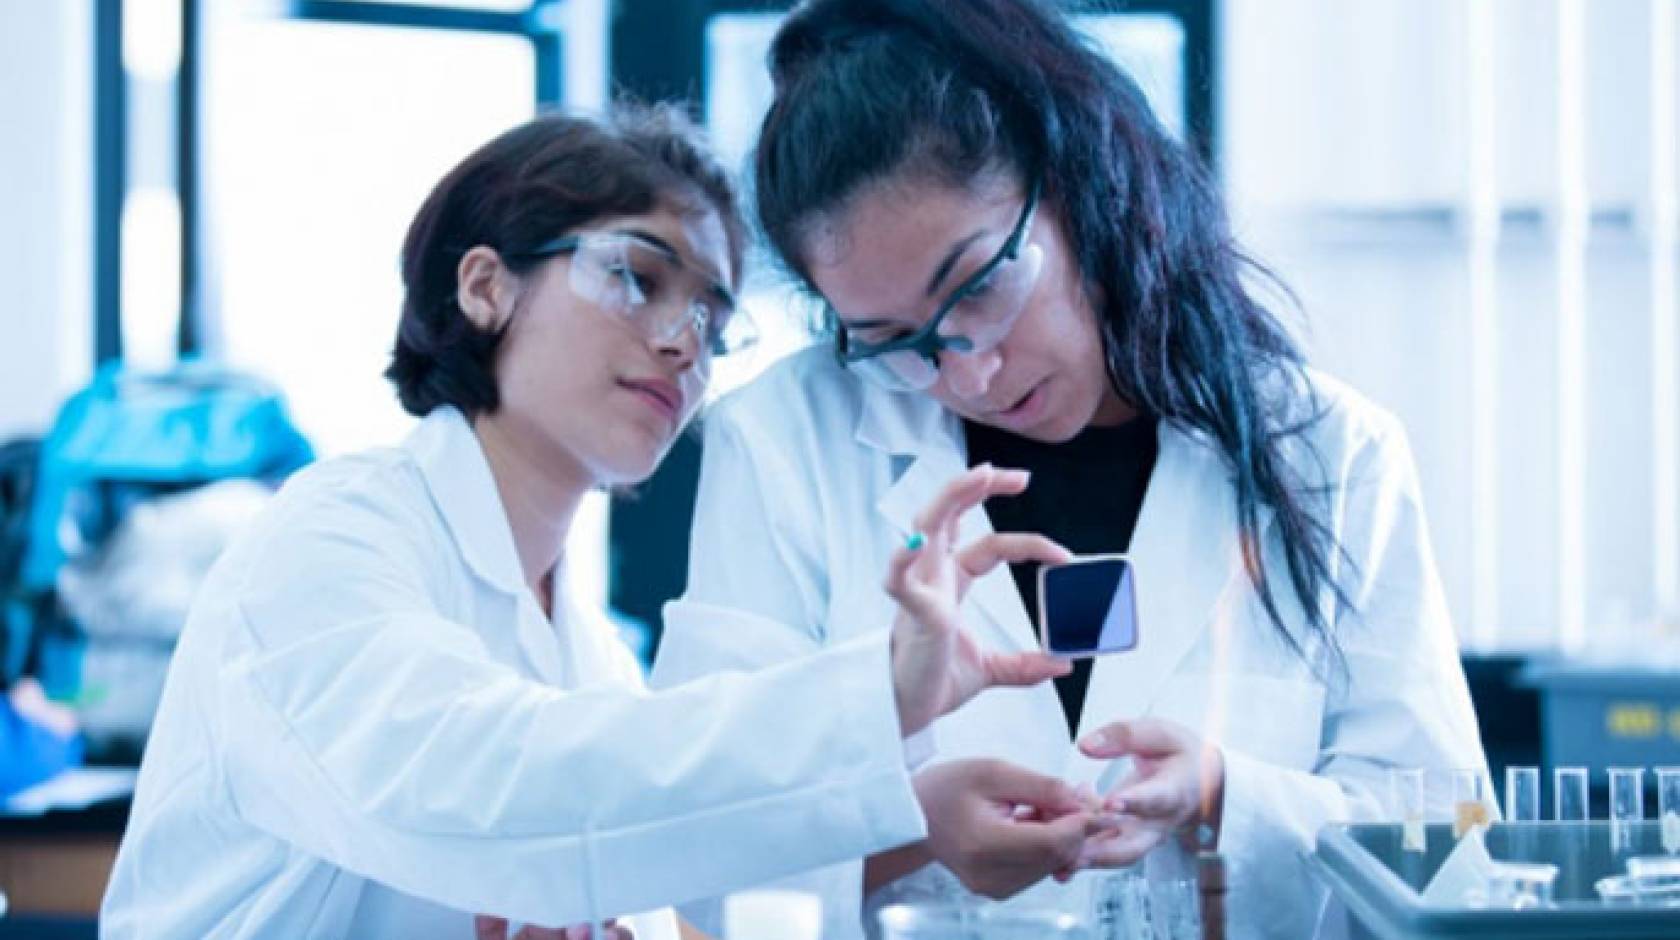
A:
[867, 90]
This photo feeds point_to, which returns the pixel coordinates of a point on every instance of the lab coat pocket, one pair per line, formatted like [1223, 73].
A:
[1277, 720]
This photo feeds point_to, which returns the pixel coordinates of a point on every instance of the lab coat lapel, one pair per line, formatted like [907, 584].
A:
[452, 462]
[585, 636]
[926, 443]
[1189, 572]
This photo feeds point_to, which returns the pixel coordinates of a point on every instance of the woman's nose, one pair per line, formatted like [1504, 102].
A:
[683, 346]
[968, 375]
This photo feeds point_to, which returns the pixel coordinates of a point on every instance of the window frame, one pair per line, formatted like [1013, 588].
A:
[197, 325]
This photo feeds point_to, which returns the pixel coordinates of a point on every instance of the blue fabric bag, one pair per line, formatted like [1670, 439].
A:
[125, 436]
[29, 753]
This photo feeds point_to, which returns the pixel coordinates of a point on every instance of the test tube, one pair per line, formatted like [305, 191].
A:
[1522, 794]
[1469, 802]
[1569, 794]
[1627, 805]
[1407, 802]
[1668, 807]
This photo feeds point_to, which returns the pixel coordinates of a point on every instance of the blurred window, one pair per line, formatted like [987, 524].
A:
[322, 140]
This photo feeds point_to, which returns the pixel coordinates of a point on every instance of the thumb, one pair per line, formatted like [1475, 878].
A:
[1024, 669]
[1065, 837]
[1143, 737]
[1050, 797]
[489, 928]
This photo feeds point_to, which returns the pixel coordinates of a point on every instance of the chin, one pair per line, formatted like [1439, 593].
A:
[1059, 428]
[629, 466]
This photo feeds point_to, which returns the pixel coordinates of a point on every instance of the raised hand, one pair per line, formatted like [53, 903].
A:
[937, 666]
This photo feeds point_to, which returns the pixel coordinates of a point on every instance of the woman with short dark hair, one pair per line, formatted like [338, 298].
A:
[1022, 267]
[385, 713]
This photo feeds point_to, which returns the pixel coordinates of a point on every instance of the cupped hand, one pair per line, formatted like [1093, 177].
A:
[496, 928]
[1176, 787]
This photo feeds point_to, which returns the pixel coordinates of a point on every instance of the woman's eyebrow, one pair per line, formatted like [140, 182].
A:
[940, 273]
[676, 255]
[944, 269]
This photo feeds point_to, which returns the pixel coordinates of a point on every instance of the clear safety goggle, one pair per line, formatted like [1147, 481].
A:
[654, 290]
[974, 319]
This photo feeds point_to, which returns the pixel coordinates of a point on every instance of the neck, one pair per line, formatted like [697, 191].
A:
[540, 490]
[1113, 410]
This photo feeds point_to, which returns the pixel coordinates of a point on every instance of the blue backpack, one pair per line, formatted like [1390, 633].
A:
[126, 437]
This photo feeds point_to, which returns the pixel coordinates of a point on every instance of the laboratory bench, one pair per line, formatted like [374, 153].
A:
[54, 866]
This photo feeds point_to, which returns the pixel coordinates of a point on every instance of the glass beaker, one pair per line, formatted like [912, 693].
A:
[1178, 911]
[1469, 802]
[1668, 808]
[968, 922]
[1407, 803]
[1650, 882]
[1120, 906]
[785, 915]
[1515, 886]
[1569, 795]
[1616, 891]
[1627, 805]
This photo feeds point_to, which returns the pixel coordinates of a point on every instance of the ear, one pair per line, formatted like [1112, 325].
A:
[487, 291]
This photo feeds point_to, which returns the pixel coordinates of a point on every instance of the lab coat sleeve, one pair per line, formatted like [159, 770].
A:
[754, 549]
[360, 726]
[757, 595]
[1404, 702]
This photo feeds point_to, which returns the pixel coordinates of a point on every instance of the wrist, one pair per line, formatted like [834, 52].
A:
[908, 695]
[884, 868]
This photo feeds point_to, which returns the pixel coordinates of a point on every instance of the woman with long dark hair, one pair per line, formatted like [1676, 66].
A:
[1020, 266]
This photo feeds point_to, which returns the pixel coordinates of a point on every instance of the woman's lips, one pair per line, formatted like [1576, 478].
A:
[1025, 409]
[661, 396]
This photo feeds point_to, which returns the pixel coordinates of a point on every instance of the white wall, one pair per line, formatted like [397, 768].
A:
[46, 68]
[1348, 151]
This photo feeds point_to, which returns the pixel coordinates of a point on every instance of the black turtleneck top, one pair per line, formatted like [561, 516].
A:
[1085, 494]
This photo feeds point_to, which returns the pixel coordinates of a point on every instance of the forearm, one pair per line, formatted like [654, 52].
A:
[687, 931]
[884, 868]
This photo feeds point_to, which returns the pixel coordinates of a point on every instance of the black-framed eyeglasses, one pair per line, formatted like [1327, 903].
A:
[975, 317]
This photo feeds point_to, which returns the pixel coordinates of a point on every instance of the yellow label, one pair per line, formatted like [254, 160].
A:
[1633, 720]
[1467, 814]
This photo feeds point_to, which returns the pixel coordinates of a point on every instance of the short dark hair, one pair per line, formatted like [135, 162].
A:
[533, 183]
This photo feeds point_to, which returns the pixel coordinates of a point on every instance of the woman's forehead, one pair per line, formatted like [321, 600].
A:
[877, 254]
[697, 236]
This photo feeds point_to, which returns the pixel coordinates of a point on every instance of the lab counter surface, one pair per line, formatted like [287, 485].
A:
[54, 867]
[1369, 870]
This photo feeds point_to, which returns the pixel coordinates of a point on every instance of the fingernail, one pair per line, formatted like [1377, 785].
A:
[1096, 740]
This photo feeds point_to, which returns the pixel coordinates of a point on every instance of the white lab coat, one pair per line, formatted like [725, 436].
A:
[370, 730]
[813, 478]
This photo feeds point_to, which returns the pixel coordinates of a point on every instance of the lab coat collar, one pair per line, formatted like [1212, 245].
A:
[912, 425]
[1190, 578]
[905, 423]
[452, 462]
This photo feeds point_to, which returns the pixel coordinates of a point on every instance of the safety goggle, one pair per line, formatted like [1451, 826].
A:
[651, 288]
[975, 318]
